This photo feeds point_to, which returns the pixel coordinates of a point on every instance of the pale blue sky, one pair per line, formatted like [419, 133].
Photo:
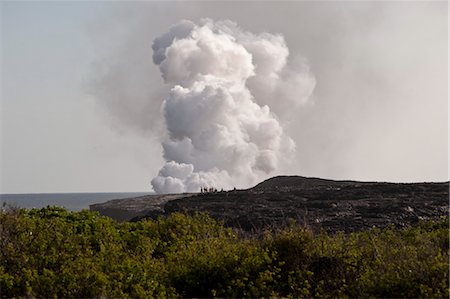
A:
[380, 107]
[52, 137]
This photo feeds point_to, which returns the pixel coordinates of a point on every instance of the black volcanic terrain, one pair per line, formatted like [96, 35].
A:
[317, 203]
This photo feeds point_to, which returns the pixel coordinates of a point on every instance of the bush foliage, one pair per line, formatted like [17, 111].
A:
[51, 252]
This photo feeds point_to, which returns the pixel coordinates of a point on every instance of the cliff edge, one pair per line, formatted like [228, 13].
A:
[314, 202]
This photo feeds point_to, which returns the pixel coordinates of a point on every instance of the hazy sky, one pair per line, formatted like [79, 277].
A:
[80, 95]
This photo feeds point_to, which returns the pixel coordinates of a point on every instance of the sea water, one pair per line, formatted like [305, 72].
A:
[70, 201]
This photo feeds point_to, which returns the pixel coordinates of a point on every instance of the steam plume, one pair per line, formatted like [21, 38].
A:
[220, 134]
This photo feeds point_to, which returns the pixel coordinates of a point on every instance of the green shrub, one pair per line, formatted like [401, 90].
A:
[51, 252]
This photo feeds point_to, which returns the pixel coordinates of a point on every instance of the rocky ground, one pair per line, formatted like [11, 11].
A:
[136, 207]
[317, 203]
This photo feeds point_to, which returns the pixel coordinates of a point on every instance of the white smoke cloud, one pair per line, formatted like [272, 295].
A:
[225, 81]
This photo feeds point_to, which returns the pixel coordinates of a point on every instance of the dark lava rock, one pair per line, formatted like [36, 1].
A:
[317, 203]
[136, 207]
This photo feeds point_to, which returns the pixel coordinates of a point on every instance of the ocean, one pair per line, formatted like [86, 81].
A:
[70, 201]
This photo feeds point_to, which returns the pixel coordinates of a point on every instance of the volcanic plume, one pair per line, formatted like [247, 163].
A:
[226, 84]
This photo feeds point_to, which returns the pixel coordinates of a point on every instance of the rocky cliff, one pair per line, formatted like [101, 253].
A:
[317, 203]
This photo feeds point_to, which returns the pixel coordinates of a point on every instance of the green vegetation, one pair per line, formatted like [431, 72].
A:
[55, 253]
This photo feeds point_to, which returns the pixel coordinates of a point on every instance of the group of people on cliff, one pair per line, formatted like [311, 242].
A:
[208, 190]
[212, 190]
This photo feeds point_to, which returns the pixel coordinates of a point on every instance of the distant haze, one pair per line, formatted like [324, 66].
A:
[362, 92]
